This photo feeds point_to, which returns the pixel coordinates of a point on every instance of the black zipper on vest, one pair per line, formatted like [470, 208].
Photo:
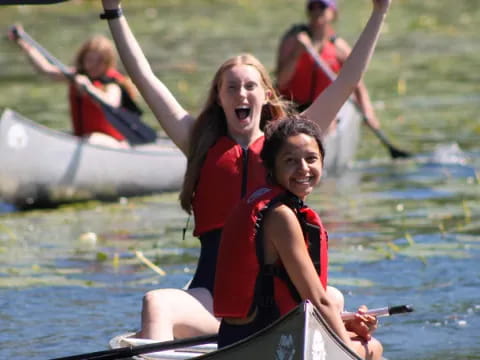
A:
[245, 172]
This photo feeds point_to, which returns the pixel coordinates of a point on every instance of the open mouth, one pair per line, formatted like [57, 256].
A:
[242, 112]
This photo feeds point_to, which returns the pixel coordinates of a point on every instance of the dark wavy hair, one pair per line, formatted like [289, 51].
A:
[277, 132]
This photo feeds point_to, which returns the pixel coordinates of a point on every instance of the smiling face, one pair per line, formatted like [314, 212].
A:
[298, 165]
[241, 94]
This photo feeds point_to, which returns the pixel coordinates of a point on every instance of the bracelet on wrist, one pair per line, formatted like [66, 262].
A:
[110, 14]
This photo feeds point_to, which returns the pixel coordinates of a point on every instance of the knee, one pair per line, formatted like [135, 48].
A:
[373, 350]
[336, 297]
[154, 300]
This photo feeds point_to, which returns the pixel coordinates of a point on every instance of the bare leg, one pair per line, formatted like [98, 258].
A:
[175, 313]
[368, 350]
[101, 139]
[336, 297]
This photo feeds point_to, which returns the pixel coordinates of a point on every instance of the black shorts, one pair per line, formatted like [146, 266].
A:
[207, 262]
[229, 334]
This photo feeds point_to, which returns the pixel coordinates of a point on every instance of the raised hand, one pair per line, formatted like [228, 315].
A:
[110, 4]
[14, 32]
[381, 5]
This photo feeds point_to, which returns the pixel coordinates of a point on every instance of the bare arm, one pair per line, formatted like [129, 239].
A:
[111, 94]
[328, 103]
[39, 62]
[288, 54]
[361, 93]
[173, 118]
[284, 239]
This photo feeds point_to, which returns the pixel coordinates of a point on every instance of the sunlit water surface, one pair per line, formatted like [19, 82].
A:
[405, 232]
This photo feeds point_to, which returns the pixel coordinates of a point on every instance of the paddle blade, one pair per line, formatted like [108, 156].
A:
[396, 153]
[400, 309]
[130, 125]
[29, 2]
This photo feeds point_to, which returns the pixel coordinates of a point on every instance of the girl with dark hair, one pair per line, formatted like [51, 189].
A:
[274, 249]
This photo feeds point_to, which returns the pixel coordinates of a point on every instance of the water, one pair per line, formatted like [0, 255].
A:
[403, 232]
[400, 233]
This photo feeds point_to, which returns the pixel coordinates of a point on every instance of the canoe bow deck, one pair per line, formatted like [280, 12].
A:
[302, 334]
[41, 167]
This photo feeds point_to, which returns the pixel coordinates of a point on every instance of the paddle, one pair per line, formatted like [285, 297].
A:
[124, 120]
[29, 2]
[380, 312]
[127, 352]
[394, 152]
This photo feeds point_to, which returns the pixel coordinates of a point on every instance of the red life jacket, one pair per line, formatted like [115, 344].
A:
[87, 114]
[242, 278]
[228, 174]
[309, 80]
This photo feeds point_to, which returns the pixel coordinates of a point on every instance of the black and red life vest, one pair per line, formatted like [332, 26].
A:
[309, 80]
[229, 172]
[242, 279]
[88, 116]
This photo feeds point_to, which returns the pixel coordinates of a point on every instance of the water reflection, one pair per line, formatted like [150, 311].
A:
[5, 208]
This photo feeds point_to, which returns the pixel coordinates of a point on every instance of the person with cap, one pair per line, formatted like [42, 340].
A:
[299, 76]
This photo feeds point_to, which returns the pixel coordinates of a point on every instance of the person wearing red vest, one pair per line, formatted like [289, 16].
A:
[95, 71]
[222, 145]
[299, 78]
[274, 250]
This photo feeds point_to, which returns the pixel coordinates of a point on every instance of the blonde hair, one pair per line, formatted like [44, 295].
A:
[103, 46]
[211, 124]
[99, 44]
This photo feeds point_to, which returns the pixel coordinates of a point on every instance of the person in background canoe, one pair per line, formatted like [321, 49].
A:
[223, 148]
[95, 70]
[298, 76]
[273, 252]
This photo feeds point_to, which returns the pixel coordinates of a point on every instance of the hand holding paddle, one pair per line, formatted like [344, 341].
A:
[29, 2]
[13, 32]
[381, 312]
[365, 322]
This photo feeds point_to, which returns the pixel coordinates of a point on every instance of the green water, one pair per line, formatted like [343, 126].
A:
[400, 232]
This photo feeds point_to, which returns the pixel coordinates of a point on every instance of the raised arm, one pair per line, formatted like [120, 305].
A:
[326, 106]
[361, 92]
[173, 118]
[39, 62]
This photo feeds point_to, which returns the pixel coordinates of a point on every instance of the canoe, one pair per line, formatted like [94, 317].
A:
[44, 167]
[41, 167]
[302, 334]
[342, 143]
